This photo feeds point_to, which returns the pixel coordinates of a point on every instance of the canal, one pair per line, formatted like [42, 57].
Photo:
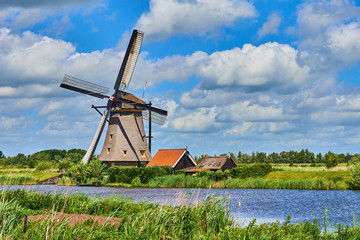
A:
[266, 205]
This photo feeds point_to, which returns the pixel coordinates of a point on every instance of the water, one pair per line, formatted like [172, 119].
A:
[266, 205]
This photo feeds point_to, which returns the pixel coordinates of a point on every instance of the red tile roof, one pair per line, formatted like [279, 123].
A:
[167, 157]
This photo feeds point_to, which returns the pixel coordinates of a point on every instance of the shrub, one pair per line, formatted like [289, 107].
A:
[127, 174]
[355, 177]
[353, 161]
[96, 168]
[211, 175]
[246, 171]
[43, 165]
[219, 175]
[227, 173]
[72, 171]
[64, 164]
[136, 182]
[202, 173]
[179, 172]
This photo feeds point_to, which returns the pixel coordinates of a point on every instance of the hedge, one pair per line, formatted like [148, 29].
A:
[246, 171]
[127, 174]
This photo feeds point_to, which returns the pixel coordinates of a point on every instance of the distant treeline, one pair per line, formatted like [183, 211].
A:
[51, 155]
[303, 156]
[290, 157]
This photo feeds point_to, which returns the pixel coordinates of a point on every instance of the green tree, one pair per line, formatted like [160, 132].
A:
[43, 165]
[342, 157]
[73, 171]
[260, 157]
[284, 156]
[84, 173]
[354, 161]
[2, 155]
[301, 157]
[38, 157]
[355, 177]
[18, 159]
[232, 155]
[319, 158]
[239, 157]
[332, 159]
[246, 158]
[74, 157]
[64, 164]
[96, 167]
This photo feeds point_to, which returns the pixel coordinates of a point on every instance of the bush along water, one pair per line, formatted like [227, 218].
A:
[355, 177]
[128, 174]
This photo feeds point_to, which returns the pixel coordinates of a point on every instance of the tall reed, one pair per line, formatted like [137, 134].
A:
[8, 180]
[185, 181]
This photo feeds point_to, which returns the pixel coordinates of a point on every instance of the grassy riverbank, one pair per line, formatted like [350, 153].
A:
[24, 176]
[209, 219]
[182, 181]
[281, 177]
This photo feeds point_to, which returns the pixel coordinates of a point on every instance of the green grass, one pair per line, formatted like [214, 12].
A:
[17, 180]
[329, 175]
[209, 219]
[260, 183]
[180, 181]
[24, 176]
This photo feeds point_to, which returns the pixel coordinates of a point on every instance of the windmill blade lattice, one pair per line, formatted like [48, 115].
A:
[85, 87]
[129, 62]
[155, 117]
[96, 138]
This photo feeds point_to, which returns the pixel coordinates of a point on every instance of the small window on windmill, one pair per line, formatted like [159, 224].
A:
[108, 151]
[111, 136]
[142, 153]
[125, 153]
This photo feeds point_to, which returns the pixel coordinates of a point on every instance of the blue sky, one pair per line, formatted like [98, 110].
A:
[234, 75]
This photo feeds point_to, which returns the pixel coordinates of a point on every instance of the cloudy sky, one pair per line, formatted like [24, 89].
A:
[234, 75]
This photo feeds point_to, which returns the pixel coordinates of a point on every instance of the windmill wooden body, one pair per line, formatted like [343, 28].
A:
[125, 141]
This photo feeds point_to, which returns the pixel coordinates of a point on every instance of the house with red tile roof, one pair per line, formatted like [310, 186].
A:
[178, 159]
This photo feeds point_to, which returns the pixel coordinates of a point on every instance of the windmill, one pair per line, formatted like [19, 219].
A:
[125, 142]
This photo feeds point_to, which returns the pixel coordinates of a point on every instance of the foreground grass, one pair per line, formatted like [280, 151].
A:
[209, 220]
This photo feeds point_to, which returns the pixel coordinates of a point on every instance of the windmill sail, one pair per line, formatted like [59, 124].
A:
[85, 87]
[155, 117]
[130, 58]
[90, 152]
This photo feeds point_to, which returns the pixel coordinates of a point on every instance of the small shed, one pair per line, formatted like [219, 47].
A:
[213, 164]
[178, 159]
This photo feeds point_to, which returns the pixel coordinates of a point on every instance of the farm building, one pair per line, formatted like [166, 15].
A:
[178, 159]
[213, 164]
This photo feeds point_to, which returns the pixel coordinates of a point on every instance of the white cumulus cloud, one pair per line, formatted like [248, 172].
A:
[170, 17]
[270, 26]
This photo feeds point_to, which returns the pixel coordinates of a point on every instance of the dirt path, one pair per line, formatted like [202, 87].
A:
[74, 218]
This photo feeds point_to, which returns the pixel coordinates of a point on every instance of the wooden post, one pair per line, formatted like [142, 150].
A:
[25, 222]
